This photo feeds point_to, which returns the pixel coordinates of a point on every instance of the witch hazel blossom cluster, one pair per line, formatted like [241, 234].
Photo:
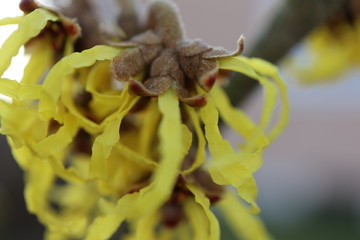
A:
[96, 157]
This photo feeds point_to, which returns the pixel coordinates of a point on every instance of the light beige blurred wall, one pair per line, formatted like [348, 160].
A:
[220, 23]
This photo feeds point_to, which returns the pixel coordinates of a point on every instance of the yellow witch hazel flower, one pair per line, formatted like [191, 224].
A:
[129, 161]
[331, 48]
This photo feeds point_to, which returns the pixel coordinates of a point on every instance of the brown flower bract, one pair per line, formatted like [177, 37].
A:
[168, 59]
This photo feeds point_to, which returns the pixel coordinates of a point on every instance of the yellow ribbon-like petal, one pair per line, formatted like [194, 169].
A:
[146, 226]
[107, 139]
[39, 181]
[239, 121]
[228, 167]
[187, 139]
[197, 220]
[66, 66]
[239, 65]
[67, 98]
[58, 141]
[153, 196]
[29, 27]
[11, 20]
[203, 201]
[41, 59]
[15, 90]
[267, 69]
[220, 148]
[98, 84]
[201, 142]
[128, 153]
[104, 226]
[259, 69]
[150, 123]
[171, 152]
[21, 124]
[23, 156]
[40, 178]
[240, 219]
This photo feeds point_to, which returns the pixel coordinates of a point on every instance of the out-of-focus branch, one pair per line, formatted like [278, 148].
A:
[295, 20]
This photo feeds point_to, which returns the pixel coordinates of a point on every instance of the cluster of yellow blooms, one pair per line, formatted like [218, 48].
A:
[98, 155]
[329, 50]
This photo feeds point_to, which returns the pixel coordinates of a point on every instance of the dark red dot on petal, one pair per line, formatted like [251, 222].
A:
[198, 102]
[136, 88]
[71, 29]
[201, 102]
[209, 82]
[214, 199]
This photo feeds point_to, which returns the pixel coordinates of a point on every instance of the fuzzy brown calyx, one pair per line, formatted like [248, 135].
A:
[168, 59]
[164, 20]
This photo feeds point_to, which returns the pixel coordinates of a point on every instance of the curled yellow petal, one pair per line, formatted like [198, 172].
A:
[149, 125]
[244, 224]
[104, 143]
[29, 27]
[39, 181]
[58, 141]
[267, 69]
[203, 201]
[23, 156]
[15, 90]
[40, 178]
[98, 84]
[170, 133]
[249, 192]
[239, 121]
[228, 167]
[67, 99]
[146, 226]
[150, 198]
[187, 139]
[132, 155]
[201, 150]
[21, 124]
[41, 59]
[221, 150]
[66, 66]
[197, 220]
[105, 225]
[171, 156]
[260, 70]
[270, 94]
[11, 20]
